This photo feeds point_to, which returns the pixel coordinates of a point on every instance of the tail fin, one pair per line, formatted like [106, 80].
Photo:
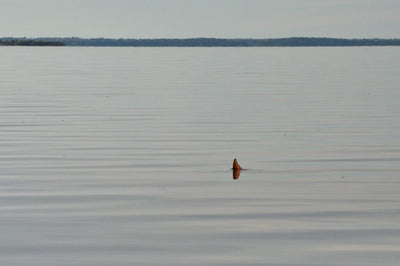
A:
[236, 166]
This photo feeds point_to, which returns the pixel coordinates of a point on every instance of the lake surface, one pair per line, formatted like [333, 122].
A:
[122, 156]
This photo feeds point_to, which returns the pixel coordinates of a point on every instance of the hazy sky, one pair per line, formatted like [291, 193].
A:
[200, 18]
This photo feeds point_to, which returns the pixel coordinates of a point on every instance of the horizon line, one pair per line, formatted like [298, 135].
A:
[203, 37]
[196, 42]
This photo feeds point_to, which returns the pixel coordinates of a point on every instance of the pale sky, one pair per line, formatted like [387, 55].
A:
[200, 18]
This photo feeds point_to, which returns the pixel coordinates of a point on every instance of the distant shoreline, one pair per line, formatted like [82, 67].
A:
[198, 42]
[29, 42]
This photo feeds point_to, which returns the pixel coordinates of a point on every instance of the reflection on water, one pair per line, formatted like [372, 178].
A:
[236, 173]
[119, 156]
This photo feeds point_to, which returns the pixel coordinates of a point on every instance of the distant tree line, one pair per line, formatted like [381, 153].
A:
[29, 42]
[202, 42]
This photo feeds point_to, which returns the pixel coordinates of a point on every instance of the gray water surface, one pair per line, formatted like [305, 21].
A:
[122, 156]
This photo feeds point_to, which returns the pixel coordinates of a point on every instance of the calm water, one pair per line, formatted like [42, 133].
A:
[122, 156]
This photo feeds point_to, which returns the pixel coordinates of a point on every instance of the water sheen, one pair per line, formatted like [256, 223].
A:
[122, 156]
